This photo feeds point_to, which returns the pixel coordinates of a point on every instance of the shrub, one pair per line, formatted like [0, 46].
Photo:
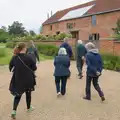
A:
[111, 62]
[49, 50]
[2, 52]
[61, 36]
[40, 37]
[10, 44]
[50, 37]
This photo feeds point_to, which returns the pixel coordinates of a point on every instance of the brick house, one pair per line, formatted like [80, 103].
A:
[93, 20]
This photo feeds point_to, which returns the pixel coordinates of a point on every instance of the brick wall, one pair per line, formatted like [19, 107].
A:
[105, 23]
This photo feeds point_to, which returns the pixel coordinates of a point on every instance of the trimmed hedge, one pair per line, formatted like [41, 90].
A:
[10, 44]
[49, 50]
[111, 62]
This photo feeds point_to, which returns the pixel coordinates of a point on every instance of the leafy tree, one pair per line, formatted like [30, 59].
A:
[3, 35]
[4, 28]
[32, 33]
[17, 29]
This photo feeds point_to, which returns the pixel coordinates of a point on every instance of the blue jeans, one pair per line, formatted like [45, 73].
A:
[95, 84]
[61, 88]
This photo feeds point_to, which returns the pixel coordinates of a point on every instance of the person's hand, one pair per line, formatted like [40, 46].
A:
[98, 73]
[83, 58]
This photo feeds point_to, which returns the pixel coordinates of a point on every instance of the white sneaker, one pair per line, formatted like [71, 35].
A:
[30, 109]
[58, 94]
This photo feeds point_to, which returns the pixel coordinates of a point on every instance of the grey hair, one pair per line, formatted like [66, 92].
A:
[90, 46]
[66, 39]
[62, 51]
[80, 42]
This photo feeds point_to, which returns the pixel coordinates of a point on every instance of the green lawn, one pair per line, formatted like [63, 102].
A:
[6, 59]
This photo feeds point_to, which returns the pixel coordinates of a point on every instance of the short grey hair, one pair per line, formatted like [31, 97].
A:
[80, 42]
[90, 46]
[66, 39]
[62, 51]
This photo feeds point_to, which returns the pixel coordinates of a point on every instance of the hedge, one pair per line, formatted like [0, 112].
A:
[111, 62]
[49, 50]
[10, 44]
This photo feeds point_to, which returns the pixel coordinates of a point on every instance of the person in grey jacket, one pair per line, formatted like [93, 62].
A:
[61, 73]
[81, 52]
[94, 70]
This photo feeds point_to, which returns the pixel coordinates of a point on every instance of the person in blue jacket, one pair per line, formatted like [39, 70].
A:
[67, 47]
[61, 72]
[94, 70]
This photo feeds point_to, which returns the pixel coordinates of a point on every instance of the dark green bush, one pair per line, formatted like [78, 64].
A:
[111, 62]
[10, 44]
[49, 50]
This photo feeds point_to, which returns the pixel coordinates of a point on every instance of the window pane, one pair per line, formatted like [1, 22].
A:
[94, 20]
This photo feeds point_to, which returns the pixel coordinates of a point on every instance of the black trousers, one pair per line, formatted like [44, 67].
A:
[95, 84]
[80, 63]
[61, 88]
[17, 100]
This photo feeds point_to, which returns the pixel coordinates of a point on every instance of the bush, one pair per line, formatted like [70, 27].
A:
[111, 62]
[49, 50]
[10, 44]
[61, 36]
[2, 52]
[40, 37]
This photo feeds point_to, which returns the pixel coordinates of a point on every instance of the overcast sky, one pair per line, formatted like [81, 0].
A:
[32, 13]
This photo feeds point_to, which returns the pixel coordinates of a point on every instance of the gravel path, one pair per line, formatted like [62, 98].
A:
[70, 107]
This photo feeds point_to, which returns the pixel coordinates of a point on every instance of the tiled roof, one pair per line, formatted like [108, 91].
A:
[99, 7]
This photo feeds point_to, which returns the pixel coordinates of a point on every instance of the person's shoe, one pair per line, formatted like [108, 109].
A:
[13, 114]
[86, 98]
[81, 76]
[58, 94]
[30, 109]
[103, 98]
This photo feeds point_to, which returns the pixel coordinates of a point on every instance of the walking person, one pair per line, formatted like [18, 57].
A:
[80, 57]
[32, 51]
[61, 73]
[67, 47]
[23, 78]
[94, 70]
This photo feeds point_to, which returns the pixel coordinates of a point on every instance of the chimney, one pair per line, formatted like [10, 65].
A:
[51, 13]
[47, 15]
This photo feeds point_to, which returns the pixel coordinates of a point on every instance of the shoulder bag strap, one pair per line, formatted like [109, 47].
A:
[25, 64]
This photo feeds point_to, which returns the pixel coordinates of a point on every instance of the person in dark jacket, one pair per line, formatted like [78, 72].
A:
[33, 52]
[61, 73]
[94, 70]
[67, 47]
[80, 57]
[23, 78]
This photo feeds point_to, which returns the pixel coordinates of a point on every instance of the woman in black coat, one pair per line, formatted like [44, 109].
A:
[23, 79]
[61, 73]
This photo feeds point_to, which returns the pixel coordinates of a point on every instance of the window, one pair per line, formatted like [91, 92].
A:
[94, 20]
[95, 36]
[70, 25]
[57, 33]
[51, 27]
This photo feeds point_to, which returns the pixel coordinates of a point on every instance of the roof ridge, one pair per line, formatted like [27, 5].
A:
[77, 6]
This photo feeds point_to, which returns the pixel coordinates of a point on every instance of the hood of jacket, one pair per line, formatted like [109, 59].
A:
[94, 51]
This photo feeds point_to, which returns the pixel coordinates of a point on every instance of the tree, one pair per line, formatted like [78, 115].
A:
[17, 29]
[32, 33]
[3, 35]
[4, 28]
